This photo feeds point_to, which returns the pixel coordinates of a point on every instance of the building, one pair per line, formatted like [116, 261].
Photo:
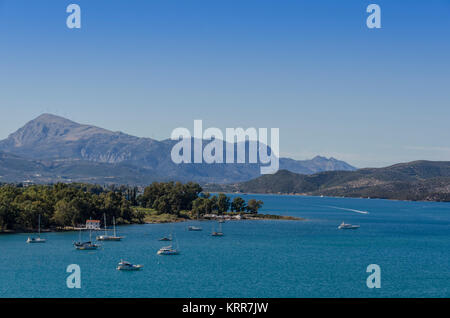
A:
[93, 224]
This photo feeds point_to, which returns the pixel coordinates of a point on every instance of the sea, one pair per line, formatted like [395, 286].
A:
[408, 241]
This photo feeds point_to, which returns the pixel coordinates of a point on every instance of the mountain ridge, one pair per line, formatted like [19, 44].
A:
[51, 138]
[417, 180]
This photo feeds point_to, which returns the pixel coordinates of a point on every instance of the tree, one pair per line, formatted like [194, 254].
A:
[223, 203]
[238, 204]
[254, 205]
[65, 214]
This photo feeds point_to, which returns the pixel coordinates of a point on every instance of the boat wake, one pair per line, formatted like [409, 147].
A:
[346, 209]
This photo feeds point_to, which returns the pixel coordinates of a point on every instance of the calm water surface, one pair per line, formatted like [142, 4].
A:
[409, 240]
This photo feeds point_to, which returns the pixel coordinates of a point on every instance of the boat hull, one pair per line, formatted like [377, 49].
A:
[36, 241]
[353, 227]
[109, 238]
[130, 269]
[168, 253]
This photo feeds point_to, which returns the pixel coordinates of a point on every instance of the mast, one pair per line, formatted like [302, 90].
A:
[104, 216]
[114, 225]
[39, 233]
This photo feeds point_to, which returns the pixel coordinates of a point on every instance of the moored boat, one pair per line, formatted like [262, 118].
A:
[82, 246]
[168, 250]
[107, 237]
[127, 266]
[37, 239]
[85, 246]
[345, 226]
[218, 232]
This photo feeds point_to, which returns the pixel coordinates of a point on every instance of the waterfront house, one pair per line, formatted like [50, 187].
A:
[93, 224]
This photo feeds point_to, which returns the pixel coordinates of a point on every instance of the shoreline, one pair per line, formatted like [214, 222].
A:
[326, 196]
[259, 217]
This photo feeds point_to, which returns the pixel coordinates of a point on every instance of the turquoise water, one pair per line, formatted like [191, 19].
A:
[410, 241]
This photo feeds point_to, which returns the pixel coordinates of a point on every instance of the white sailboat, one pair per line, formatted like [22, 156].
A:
[37, 239]
[169, 250]
[107, 237]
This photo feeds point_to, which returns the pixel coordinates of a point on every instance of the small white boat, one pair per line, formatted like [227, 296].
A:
[127, 266]
[194, 228]
[344, 226]
[37, 239]
[107, 237]
[168, 250]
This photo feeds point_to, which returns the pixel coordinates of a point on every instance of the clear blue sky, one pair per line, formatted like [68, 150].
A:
[311, 68]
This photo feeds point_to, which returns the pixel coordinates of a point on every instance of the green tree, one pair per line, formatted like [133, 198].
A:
[223, 203]
[238, 204]
[254, 205]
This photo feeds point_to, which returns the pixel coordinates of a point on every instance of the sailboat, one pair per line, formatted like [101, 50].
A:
[219, 232]
[166, 239]
[169, 250]
[86, 245]
[37, 239]
[107, 237]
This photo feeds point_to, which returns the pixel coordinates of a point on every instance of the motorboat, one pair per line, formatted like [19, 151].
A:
[345, 226]
[168, 250]
[127, 266]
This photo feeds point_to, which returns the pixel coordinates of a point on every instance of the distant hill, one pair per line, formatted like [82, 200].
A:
[61, 149]
[317, 164]
[418, 180]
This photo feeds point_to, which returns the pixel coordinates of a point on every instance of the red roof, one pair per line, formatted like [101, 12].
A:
[92, 221]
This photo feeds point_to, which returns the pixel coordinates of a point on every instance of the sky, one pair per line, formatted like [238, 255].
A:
[313, 69]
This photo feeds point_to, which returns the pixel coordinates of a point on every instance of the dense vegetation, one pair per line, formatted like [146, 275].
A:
[63, 205]
[60, 205]
[416, 181]
[169, 197]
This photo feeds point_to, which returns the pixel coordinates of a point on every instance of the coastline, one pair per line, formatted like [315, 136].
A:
[326, 196]
[258, 217]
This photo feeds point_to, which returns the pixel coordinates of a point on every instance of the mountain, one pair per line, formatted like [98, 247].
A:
[418, 180]
[59, 145]
[317, 164]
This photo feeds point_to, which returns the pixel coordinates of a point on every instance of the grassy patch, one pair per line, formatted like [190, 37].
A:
[152, 216]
